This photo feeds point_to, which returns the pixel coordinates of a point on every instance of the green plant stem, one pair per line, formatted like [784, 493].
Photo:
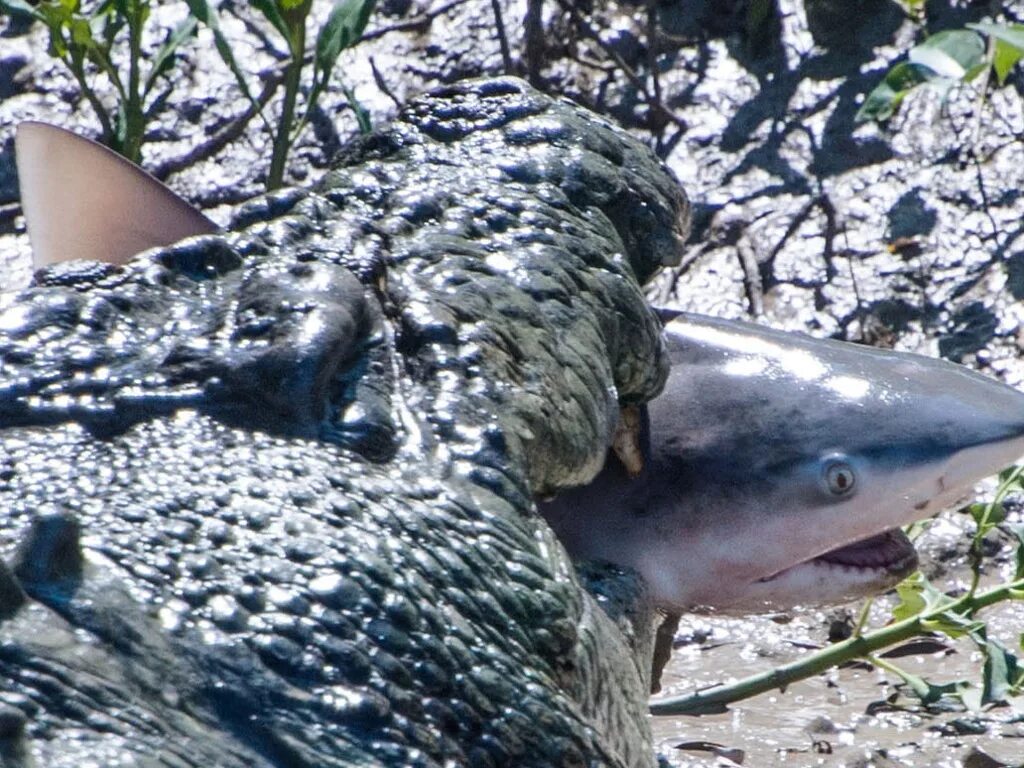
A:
[282, 138]
[865, 614]
[984, 525]
[887, 666]
[106, 126]
[715, 698]
[134, 120]
[979, 110]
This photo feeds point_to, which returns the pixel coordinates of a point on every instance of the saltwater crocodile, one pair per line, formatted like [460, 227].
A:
[268, 494]
[272, 489]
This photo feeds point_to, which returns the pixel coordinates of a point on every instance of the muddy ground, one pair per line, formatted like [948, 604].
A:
[856, 716]
[906, 235]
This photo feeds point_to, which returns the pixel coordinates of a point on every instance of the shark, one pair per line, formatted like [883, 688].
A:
[83, 201]
[775, 469]
[778, 468]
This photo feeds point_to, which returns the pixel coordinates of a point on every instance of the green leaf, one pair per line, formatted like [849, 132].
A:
[1011, 34]
[951, 54]
[918, 596]
[911, 600]
[164, 58]
[272, 14]
[914, 8]
[971, 696]
[343, 28]
[294, 14]
[109, 25]
[58, 46]
[927, 692]
[986, 516]
[81, 34]
[1011, 478]
[20, 7]
[361, 113]
[924, 690]
[952, 625]
[205, 13]
[55, 15]
[1017, 530]
[976, 70]
[1002, 676]
[885, 99]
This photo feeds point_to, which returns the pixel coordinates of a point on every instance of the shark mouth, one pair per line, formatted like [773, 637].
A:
[889, 551]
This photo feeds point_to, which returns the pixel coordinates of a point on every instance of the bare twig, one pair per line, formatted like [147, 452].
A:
[985, 202]
[651, 99]
[416, 23]
[378, 78]
[533, 28]
[258, 32]
[824, 203]
[665, 288]
[979, 109]
[664, 147]
[600, 66]
[499, 24]
[858, 303]
[751, 276]
[652, 56]
[664, 636]
[795, 223]
[230, 132]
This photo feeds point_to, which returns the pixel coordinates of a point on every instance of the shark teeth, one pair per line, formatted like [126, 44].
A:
[890, 550]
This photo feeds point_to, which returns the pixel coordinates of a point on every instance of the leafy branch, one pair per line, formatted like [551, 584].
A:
[342, 29]
[922, 610]
[87, 43]
[103, 41]
[946, 60]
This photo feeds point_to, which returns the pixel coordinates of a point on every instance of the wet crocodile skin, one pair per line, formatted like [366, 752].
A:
[267, 495]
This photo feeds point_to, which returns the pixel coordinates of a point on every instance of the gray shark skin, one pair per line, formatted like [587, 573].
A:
[777, 465]
[267, 495]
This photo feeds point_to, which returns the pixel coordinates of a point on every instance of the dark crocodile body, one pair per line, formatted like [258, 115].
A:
[267, 496]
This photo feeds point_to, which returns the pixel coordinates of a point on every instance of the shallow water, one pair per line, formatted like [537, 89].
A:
[855, 716]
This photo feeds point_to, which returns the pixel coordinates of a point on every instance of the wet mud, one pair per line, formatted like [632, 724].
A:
[856, 715]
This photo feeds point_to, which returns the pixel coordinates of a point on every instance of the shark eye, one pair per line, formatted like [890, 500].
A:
[839, 477]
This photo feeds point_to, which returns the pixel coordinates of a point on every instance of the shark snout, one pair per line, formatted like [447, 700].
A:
[1001, 445]
[981, 423]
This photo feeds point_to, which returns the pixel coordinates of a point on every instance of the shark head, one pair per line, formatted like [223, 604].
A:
[83, 201]
[778, 468]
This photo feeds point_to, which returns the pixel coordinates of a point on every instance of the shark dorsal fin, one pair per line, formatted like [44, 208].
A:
[84, 201]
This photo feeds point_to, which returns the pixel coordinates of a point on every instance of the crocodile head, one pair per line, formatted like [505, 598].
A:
[267, 492]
